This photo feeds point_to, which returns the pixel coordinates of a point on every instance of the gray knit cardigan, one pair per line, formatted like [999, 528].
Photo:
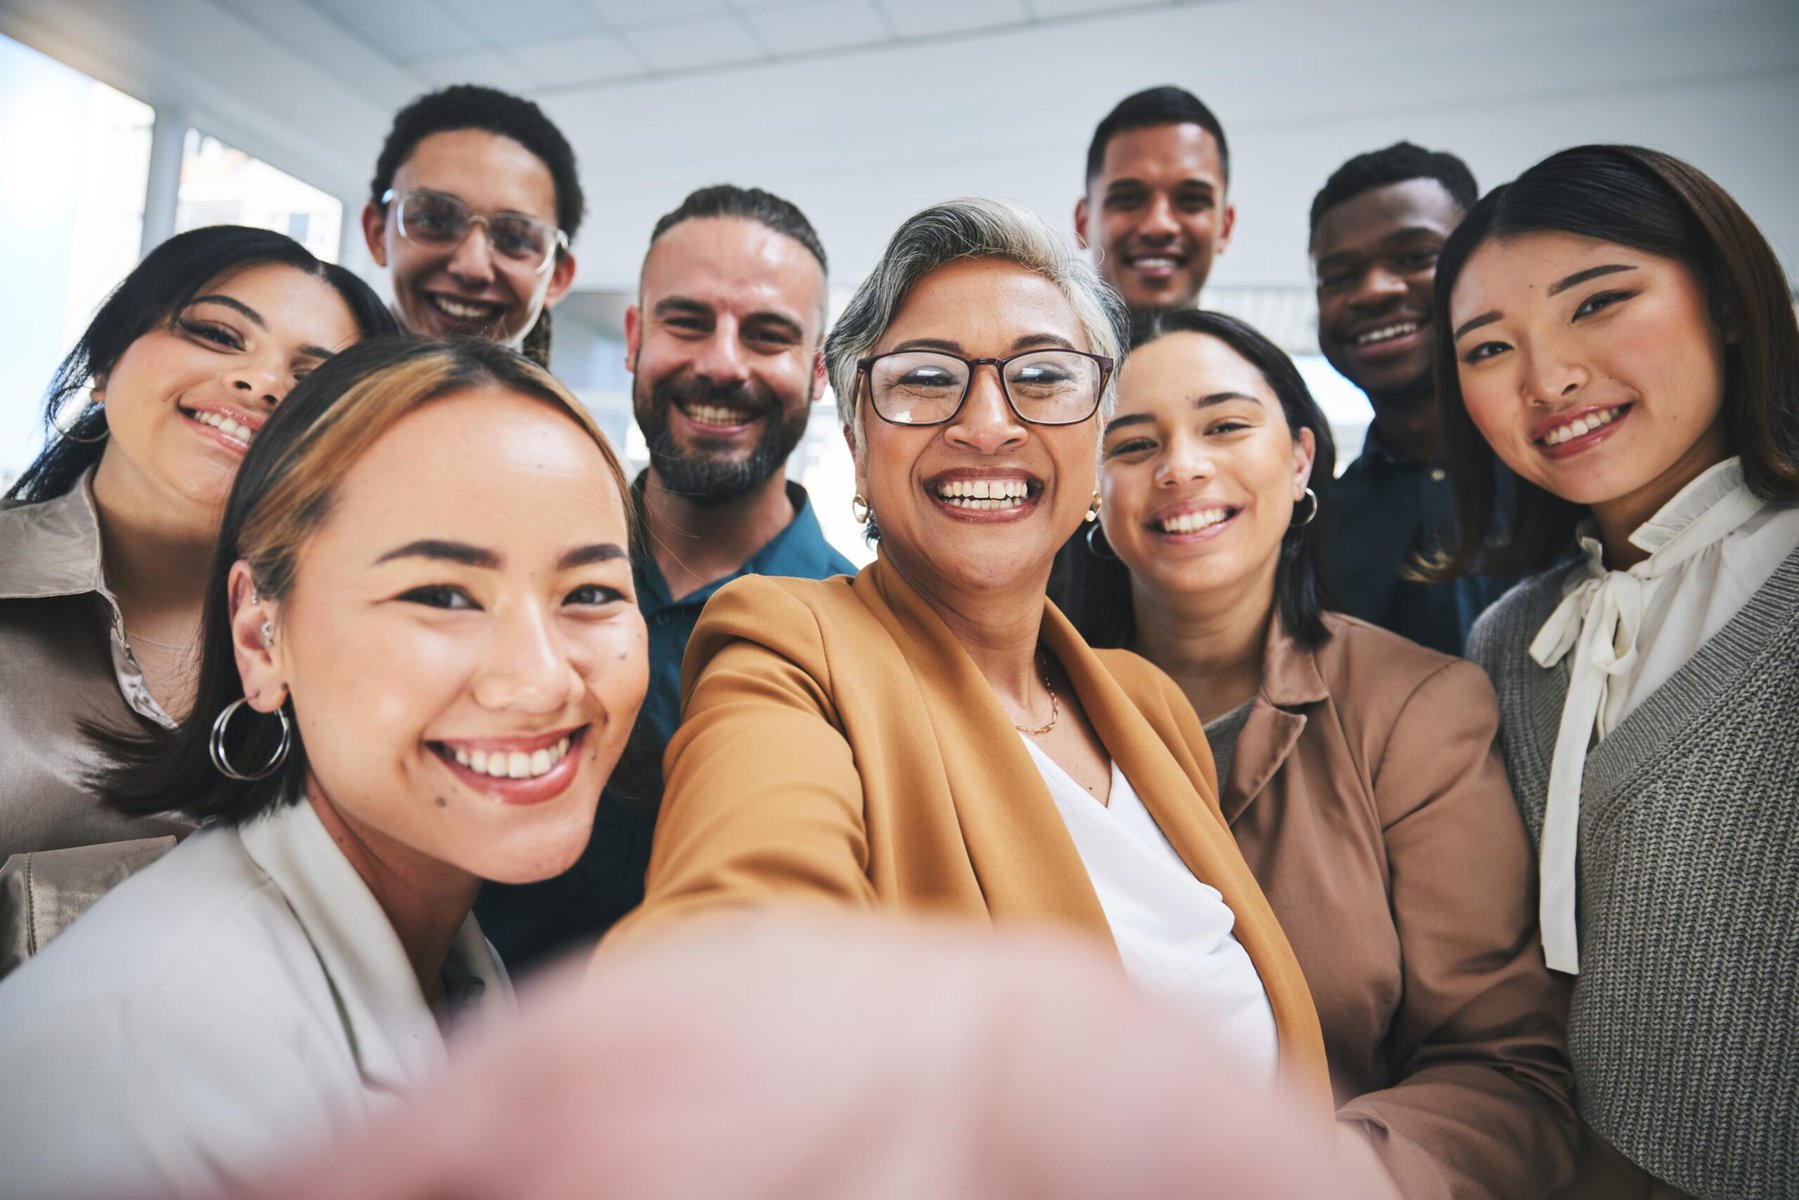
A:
[1684, 1032]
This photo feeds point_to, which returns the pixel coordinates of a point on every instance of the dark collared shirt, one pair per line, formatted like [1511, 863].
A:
[530, 921]
[1387, 511]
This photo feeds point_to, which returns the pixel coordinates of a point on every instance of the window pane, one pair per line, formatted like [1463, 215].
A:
[76, 160]
[221, 185]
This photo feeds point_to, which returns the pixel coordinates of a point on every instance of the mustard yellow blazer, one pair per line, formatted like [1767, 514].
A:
[838, 744]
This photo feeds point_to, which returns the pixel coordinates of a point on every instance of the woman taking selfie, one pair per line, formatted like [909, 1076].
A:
[103, 555]
[933, 736]
[1614, 328]
[407, 685]
[1357, 769]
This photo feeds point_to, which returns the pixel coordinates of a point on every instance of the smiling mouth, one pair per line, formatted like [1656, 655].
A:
[465, 311]
[1386, 333]
[502, 763]
[236, 430]
[1582, 425]
[983, 495]
[723, 416]
[1193, 522]
[1156, 264]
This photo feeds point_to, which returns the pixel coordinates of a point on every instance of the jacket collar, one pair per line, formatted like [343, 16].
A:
[1291, 682]
[393, 1033]
[51, 548]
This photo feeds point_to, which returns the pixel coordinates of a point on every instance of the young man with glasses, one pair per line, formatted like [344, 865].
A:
[725, 346]
[472, 207]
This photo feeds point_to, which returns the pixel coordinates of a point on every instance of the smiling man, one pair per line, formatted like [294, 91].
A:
[725, 346]
[1155, 211]
[1377, 227]
[472, 207]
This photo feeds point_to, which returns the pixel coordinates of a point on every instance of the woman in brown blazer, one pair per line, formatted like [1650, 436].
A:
[1358, 768]
[933, 736]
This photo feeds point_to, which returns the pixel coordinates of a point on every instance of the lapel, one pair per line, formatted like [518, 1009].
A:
[1022, 855]
[1290, 682]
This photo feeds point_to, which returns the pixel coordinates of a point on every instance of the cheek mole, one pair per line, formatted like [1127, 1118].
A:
[442, 803]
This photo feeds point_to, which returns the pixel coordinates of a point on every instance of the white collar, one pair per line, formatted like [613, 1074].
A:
[393, 1033]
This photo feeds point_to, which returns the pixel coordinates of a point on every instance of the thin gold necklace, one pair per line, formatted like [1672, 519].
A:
[138, 639]
[1055, 705]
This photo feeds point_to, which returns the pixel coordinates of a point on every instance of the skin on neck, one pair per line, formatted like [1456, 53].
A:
[156, 567]
[1211, 643]
[1407, 422]
[426, 900]
[694, 544]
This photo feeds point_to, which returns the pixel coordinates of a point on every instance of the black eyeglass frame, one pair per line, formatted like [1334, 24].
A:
[559, 241]
[865, 383]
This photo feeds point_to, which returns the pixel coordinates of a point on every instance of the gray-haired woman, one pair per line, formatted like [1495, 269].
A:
[933, 735]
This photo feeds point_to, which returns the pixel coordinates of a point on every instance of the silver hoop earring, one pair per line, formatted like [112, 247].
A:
[860, 509]
[85, 441]
[217, 746]
[1097, 545]
[1311, 513]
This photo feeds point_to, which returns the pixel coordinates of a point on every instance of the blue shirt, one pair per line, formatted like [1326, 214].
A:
[530, 921]
[1385, 512]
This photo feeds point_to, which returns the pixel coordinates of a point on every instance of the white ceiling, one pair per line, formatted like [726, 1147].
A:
[862, 111]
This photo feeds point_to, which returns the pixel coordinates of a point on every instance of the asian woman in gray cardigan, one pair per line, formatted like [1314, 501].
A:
[1615, 329]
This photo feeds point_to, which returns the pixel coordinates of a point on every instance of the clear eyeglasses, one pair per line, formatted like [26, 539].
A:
[437, 222]
[929, 387]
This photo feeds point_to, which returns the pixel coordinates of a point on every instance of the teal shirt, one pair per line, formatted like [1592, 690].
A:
[529, 922]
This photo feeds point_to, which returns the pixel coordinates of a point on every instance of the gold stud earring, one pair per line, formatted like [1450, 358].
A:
[1093, 510]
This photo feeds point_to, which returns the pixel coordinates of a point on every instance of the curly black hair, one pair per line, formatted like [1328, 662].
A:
[1397, 163]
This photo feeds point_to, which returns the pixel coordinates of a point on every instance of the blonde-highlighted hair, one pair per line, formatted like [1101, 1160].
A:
[282, 495]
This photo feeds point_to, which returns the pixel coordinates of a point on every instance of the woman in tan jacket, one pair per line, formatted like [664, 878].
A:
[1358, 769]
[932, 736]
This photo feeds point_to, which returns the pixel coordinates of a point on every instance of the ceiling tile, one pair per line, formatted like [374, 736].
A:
[922, 18]
[572, 61]
[703, 42]
[404, 29]
[519, 21]
[824, 25]
[631, 14]
[481, 66]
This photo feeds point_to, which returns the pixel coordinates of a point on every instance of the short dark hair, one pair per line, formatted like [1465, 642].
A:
[156, 289]
[1098, 593]
[1167, 105]
[1658, 204]
[282, 494]
[471, 106]
[1398, 163]
[751, 204]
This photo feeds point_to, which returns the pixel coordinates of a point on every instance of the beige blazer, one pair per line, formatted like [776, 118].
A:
[838, 745]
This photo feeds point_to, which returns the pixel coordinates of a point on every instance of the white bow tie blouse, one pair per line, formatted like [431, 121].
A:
[1710, 548]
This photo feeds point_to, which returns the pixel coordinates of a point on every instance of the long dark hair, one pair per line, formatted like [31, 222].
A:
[1660, 205]
[1098, 594]
[282, 494]
[157, 289]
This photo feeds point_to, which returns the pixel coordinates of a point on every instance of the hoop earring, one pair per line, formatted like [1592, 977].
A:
[1093, 510]
[216, 747]
[84, 441]
[860, 509]
[1312, 513]
[1097, 545]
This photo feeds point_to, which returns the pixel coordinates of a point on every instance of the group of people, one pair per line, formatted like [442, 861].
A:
[333, 661]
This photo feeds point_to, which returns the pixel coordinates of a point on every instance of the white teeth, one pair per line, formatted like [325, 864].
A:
[462, 311]
[984, 494]
[513, 764]
[1581, 425]
[1191, 522]
[712, 414]
[541, 761]
[226, 426]
[1388, 333]
[462, 756]
[476, 762]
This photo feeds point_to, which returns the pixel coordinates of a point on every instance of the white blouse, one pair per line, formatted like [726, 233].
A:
[1173, 932]
[1710, 549]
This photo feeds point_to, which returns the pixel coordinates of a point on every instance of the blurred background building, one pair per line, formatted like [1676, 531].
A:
[122, 121]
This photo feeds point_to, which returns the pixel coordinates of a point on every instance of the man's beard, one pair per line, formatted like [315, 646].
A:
[701, 472]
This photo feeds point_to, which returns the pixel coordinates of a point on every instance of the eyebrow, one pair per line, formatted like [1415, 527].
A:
[1206, 401]
[441, 550]
[1580, 277]
[1469, 326]
[599, 552]
[256, 318]
[1030, 341]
